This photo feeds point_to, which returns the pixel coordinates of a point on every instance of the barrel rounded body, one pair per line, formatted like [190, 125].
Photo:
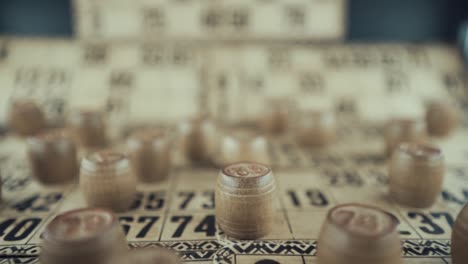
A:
[245, 194]
[315, 128]
[441, 118]
[416, 174]
[460, 237]
[276, 116]
[107, 181]
[25, 118]
[359, 234]
[150, 153]
[91, 236]
[200, 139]
[88, 128]
[53, 157]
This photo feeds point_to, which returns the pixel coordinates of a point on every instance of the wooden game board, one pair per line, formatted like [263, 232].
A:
[165, 82]
[211, 19]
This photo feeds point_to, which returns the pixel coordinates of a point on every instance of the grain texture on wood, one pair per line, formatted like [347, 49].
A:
[108, 181]
[416, 174]
[359, 234]
[80, 236]
[245, 194]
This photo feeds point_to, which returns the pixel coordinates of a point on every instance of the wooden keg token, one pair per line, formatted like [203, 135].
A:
[242, 145]
[276, 116]
[315, 128]
[244, 196]
[359, 234]
[403, 130]
[53, 158]
[150, 154]
[416, 174]
[442, 118]
[460, 237]
[108, 181]
[151, 256]
[200, 139]
[25, 118]
[91, 236]
[88, 128]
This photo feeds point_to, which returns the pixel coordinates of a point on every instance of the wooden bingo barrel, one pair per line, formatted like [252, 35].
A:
[25, 118]
[245, 194]
[150, 153]
[441, 118]
[315, 128]
[242, 145]
[200, 138]
[460, 237]
[403, 130]
[88, 128]
[92, 236]
[276, 116]
[107, 180]
[359, 234]
[416, 174]
[53, 158]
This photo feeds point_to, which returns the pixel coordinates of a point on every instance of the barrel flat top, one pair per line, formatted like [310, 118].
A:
[79, 225]
[107, 157]
[421, 151]
[246, 170]
[363, 220]
[51, 135]
[406, 124]
[148, 135]
[104, 160]
[24, 105]
[86, 115]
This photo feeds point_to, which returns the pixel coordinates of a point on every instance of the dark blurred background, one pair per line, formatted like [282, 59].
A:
[368, 20]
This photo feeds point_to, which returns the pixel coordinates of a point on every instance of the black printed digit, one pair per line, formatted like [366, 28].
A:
[207, 226]
[184, 220]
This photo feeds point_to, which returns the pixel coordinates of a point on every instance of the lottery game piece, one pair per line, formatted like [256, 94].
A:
[200, 138]
[88, 128]
[244, 198]
[441, 118]
[53, 158]
[277, 116]
[416, 174]
[150, 154]
[107, 180]
[315, 128]
[460, 237]
[80, 236]
[25, 118]
[359, 234]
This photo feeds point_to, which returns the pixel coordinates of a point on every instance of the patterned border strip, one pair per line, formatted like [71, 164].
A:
[211, 249]
[23, 250]
[16, 260]
[187, 250]
[411, 248]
